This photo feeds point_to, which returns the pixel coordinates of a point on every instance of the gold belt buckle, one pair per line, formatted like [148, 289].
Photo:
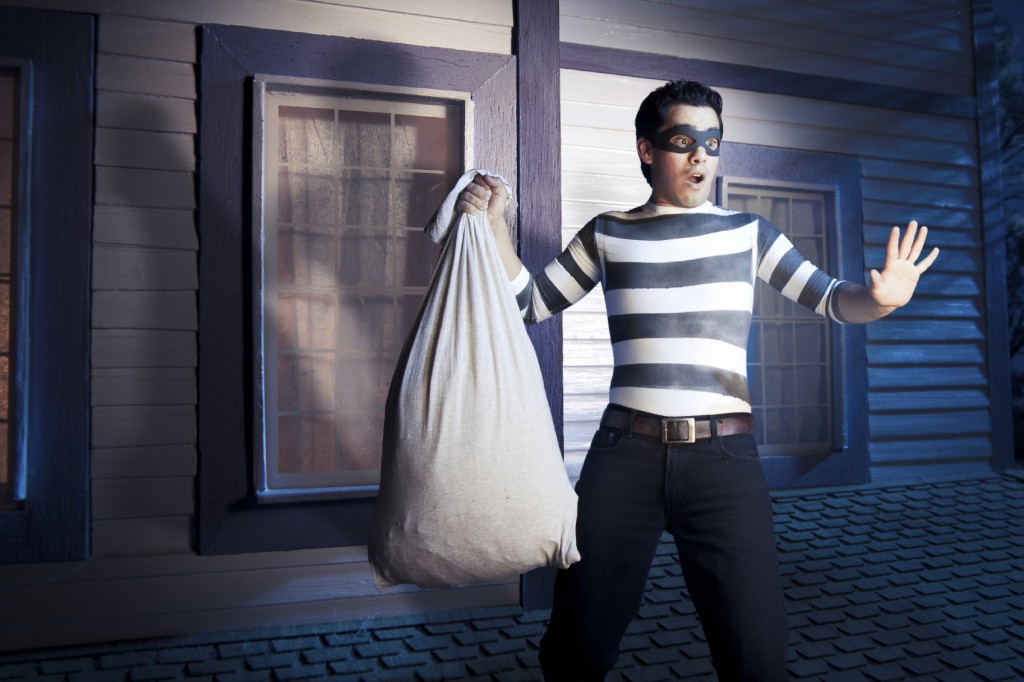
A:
[691, 431]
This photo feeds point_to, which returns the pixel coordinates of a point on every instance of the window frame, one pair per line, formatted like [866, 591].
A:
[828, 193]
[848, 463]
[55, 52]
[13, 498]
[229, 519]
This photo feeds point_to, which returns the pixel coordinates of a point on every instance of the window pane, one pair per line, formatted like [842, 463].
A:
[305, 443]
[8, 103]
[6, 172]
[305, 382]
[421, 142]
[357, 180]
[416, 195]
[306, 135]
[365, 139]
[808, 217]
[306, 258]
[789, 358]
[306, 196]
[364, 197]
[305, 321]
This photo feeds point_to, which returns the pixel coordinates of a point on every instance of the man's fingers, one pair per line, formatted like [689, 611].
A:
[918, 246]
[927, 262]
[466, 207]
[476, 196]
[907, 244]
[489, 181]
[478, 190]
[892, 249]
[493, 183]
[474, 199]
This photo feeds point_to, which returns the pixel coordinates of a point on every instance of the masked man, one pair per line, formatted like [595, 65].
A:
[675, 449]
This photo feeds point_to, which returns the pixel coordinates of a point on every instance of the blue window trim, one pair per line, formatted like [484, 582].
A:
[849, 462]
[52, 378]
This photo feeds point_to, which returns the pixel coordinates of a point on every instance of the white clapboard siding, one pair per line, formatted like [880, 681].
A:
[936, 400]
[144, 535]
[169, 228]
[143, 380]
[145, 188]
[951, 448]
[167, 310]
[151, 461]
[119, 426]
[880, 354]
[483, 26]
[138, 75]
[144, 386]
[913, 166]
[901, 43]
[128, 111]
[600, 172]
[145, 149]
[142, 497]
[133, 37]
[123, 267]
[113, 348]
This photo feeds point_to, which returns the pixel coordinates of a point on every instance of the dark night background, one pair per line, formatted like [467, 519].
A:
[1011, 12]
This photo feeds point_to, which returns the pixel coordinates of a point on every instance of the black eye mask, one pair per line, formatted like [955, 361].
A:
[701, 138]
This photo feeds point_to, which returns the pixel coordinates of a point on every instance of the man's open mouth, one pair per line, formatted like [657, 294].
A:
[696, 177]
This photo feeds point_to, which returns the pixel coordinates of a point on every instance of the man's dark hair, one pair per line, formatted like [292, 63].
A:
[651, 114]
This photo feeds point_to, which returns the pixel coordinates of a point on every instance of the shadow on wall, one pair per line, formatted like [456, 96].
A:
[144, 281]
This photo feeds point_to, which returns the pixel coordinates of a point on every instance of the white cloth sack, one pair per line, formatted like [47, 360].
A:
[473, 487]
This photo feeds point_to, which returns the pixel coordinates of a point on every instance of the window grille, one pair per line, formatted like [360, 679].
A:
[790, 349]
[349, 179]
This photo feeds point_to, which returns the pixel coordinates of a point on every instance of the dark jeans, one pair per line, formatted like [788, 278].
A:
[713, 498]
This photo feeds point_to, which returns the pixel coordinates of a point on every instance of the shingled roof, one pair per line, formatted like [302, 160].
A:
[894, 582]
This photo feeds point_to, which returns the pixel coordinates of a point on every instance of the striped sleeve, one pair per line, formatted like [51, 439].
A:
[795, 277]
[563, 281]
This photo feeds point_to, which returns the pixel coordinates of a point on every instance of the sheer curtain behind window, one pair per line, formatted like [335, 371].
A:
[350, 182]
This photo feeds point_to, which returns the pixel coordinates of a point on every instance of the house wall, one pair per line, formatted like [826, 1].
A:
[143, 577]
[921, 44]
[929, 405]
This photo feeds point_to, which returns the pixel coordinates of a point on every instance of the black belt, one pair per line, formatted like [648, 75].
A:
[677, 429]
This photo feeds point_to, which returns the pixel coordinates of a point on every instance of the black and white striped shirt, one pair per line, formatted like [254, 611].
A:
[679, 291]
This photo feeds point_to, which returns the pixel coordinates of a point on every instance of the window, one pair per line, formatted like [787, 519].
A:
[808, 375]
[790, 366]
[336, 263]
[349, 180]
[46, 134]
[12, 489]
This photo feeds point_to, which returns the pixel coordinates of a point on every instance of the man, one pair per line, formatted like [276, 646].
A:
[675, 450]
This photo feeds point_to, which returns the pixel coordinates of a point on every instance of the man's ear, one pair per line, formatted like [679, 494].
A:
[643, 150]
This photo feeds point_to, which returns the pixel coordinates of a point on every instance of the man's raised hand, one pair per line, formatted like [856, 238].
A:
[894, 285]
